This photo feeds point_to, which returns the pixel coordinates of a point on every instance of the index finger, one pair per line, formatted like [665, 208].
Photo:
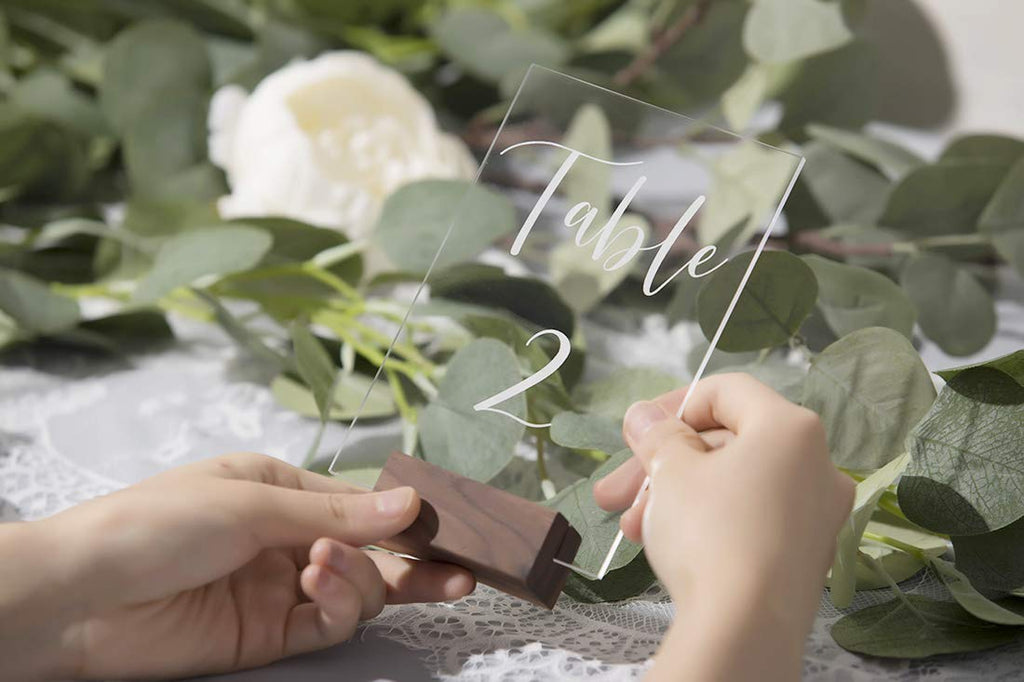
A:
[249, 466]
[731, 401]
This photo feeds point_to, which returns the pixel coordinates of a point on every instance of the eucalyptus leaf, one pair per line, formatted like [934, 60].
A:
[623, 583]
[870, 388]
[845, 189]
[612, 395]
[205, 251]
[917, 627]
[1003, 217]
[842, 581]
[32, 306]
[787, 30]
[314, 365]
[482, 42]
[786, 379]
[1011, 365]
[529, 299]
[455, 436]
[748, 181]
[852, 298]
[777, 298]
[954, 309]
[942, 199]
[587, 432]
[993, 561]
[973, 601]
[597, 527]
[744, 97]
[349, 393]
[582, 281]
[416, 219]
[997, 149]
[243, 336]
[147, 61]
[893, 160]
[965, 477]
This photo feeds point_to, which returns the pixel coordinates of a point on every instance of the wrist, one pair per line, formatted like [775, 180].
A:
[732, 630]
[39, 601]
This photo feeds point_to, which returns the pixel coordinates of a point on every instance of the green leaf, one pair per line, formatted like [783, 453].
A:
[917, 627]
[131, 327]
[582, 281]
[455, 436]
[631, 580]
[890, 158]
[870, 388]
[146, 64]
[997, 149]
[164, 144]
[843, 578]
[778, 297]
[314, 366]
[416, 218]
[482, 43]
[587, 432]
[1003, 217]
[744, 97]
[32, 306]
[532, 300]
[1011, 365]
[845, 189]
[966, 475]
[784, 378]
[748, 182]
[49, 94]
[612, 395]
[943, 198]
[786, 30]
[597, 527]
[973, 601]
[853, 298]
[897, 564]
[705, 60]
[993, 561]
[349, 393]
[204, 251]
[954, 309]
[243, 336]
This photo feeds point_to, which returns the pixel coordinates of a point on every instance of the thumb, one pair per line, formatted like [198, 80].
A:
[281, 517]
[650, 431]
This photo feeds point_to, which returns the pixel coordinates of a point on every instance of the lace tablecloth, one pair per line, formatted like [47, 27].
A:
[73, 427]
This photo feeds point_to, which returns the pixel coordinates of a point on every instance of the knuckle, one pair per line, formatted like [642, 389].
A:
[337, 506]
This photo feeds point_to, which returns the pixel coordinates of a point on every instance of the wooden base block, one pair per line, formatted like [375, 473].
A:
[506, 541]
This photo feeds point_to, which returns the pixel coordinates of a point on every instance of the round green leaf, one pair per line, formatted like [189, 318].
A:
[943, 198]
[349, 393]
[917, 627]
[853, 298]
[1003, 217]
[778, 297]
[786, 30]
[890, 158]
[997, 149]
[204, 251]
[870, 387]
[455, 436]
[612, 395]
[993, 561]
[416, 217]
[587, 432]
[32, 306]
[973, 601]
[150, 62]
[845, 189]
[953, 308]
[1011, 364]
[965, 476]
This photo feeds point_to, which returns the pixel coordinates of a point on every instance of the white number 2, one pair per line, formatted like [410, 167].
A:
[564, 348]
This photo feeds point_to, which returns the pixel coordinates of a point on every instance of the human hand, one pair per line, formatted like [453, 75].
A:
[740, 519]
[226, 564]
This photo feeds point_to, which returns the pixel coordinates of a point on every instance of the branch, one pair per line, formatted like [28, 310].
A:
[666, 39]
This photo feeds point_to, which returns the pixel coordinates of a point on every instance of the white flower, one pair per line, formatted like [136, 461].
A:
[326, 140]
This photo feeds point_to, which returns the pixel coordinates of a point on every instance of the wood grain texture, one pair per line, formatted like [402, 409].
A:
[506, 541]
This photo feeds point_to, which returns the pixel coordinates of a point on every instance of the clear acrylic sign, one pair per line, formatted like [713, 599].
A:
[565, 307]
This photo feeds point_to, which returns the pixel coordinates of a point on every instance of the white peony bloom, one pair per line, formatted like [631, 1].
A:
[325, 141]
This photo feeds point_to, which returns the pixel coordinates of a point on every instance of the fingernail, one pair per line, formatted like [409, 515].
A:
[393, 502]
[336, 559]
[326, 582]
[640, 417]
